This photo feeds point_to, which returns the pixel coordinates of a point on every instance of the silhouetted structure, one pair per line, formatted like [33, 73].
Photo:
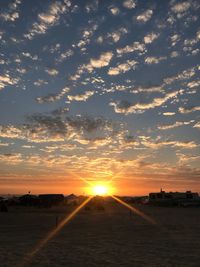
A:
[174, 198]
[48, 200]
[28, 200]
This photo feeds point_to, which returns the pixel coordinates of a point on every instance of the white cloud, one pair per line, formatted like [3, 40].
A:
[149, 38]
[52, 72]
[150, 89]
[154, 60]
[189, 109]
[102, 61]
[174, 125]
[169, 113]
[197, 125]
[115, 36]
[129, 4]
[114, 10]
[127, 107]
[136, 46]
[181, 7]
[6, 80]
[174, 54]
[174, 39]
[48, 19]
[145, 16]
[53, 97]
[81, 97]
[193, 84]
[123, 67]
[11, 14]
[173, 143]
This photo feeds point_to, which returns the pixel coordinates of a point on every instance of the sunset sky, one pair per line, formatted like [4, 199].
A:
[99, 91]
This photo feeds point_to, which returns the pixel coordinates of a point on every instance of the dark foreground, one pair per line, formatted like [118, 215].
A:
[102, 238]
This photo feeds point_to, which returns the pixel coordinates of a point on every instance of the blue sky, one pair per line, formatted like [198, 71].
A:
[96, 90]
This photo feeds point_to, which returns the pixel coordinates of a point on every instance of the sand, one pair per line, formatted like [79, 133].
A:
[102, 238]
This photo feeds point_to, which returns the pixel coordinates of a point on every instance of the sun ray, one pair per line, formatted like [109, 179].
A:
[50, 235]
[137, 211]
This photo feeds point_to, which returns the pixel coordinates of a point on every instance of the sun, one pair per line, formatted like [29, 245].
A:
[100, 190]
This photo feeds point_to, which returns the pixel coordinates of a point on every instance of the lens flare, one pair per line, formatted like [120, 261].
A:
[100, 189]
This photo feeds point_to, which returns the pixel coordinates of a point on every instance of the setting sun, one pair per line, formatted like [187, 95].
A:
[100, 190]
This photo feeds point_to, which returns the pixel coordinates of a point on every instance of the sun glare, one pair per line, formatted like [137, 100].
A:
[100, 190]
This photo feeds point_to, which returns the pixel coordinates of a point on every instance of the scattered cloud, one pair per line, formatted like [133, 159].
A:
[114, 10]
[53, 97]
[102, 61]
[145, 16]
[6, 80]
[12, 13]
[81, 97]
[129, 4]
[52, 72]
[127, 108]
[189, 109]
[181, 7]
[174, 125]
[136, 46]
[48, 19]
[197, 125]
[169, 113]
[154, 60]
[123, 67]
[150, 37]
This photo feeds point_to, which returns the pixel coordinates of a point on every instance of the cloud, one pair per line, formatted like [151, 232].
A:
[197, 125]
[145, 16]
[123, 67]
[81, 97]
[48, 19]
[28, 55]
[174, 54]
[181, 7]
[102, 61]
[92, 6]
[174, 39]
[189, 109]
[136, 46]
[126, 107]
[114, 36]
[114, 10]
[52, 72]
[65, 55]
[184, 75]
[193, 84]
[6, 80]
[169, 113]
[53, 97]
[174, 125]
[149, 89]
[172, 143]
[86, 35]
[40, 82]
[11, 159]
[11, 14]
[42, 128]
[129, 4]
[154, 60]
[149, 38]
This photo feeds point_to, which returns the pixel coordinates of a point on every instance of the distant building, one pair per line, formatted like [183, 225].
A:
[174, 198]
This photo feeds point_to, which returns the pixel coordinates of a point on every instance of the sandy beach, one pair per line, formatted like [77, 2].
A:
[102, 238]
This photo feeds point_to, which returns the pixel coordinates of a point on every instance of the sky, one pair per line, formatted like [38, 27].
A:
[99, 91]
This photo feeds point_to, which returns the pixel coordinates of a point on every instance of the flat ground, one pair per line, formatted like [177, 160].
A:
[102, 238]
